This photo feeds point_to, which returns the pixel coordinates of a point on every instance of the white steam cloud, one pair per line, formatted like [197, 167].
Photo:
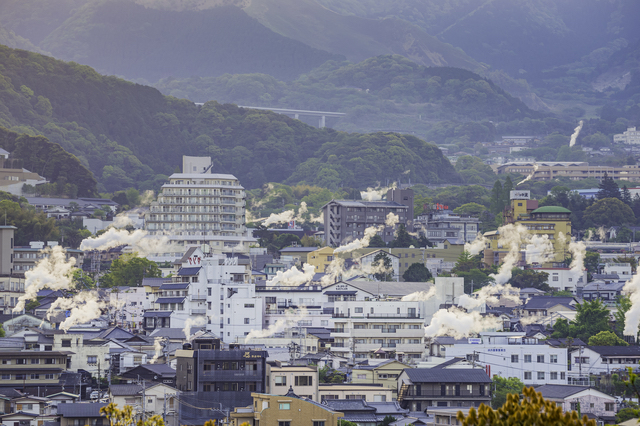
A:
[511, 236]
[578, 250]
[477, 245]
[157, 347]
[575, 134]
[539, 249]
[189, 323]
[370, 232]
[459, 324]
[83, 307]
[53, 271]
[375, 194]
[121, 221]
[293, 277]
[289, 215]
[137, 240]
[632, 317]
[490, 294]
[535, 168]
[392, 220]
[291, 320]
[147, 197]
[420, 296]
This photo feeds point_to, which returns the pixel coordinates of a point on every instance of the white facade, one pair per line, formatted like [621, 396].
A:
[366, 264]
[129, 305]
[561, 279]
[622, 269]
[506, 355]
[200, 207]
[586, 361]
[631, 137]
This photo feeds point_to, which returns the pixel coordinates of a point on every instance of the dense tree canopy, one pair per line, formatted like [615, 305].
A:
[417, 272]
[592, 318]
[608, 212]
[129, 270]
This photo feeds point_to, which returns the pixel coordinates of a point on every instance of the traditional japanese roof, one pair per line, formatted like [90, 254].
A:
[80, 410]
[551, 209]
[607, 351]
[170, 299]
[189, 271]
[441, 375]
[559, 391]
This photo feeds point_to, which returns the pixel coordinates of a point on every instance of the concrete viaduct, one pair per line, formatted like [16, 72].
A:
[296, 113]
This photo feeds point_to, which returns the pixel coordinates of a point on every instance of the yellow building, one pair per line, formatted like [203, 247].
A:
[385, 373]
[320, 259]
[548, 220]
[284, 410]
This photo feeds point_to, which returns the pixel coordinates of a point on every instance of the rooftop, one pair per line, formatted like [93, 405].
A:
[440, 375]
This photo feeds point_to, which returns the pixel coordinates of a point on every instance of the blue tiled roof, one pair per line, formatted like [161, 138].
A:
[189, 271]
[170, 299]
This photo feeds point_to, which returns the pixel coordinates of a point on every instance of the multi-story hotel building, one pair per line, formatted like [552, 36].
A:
[199, 207]
[574, 170]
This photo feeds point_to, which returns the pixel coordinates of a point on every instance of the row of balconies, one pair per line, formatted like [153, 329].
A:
[370, 347]
[396, 332]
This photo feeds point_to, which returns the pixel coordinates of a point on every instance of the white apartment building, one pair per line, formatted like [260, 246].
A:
[631, 137]
[199, 207]
[441, 225]
[623, 270]
[562, 279]
[128, 305]
[379, 328]
[508, 354]
[595, 360]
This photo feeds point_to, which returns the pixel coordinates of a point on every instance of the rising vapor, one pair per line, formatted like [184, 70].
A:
[575, 134]
[293, 277]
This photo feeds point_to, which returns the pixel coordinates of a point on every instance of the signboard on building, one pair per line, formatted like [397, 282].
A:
[520, 195]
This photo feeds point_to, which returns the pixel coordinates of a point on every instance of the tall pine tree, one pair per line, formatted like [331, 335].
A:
[608, 188]
[497, 200]
[626, 195]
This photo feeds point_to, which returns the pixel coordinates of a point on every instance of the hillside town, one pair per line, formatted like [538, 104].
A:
[359, 327]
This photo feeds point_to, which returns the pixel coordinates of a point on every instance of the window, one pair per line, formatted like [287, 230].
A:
[92, 359]
[249, 305]
[304, 380]
[514, 358]
[284, 423]
[246, 320]
[562, 376]
[553, 359]
[35, 360]
[21, 376]
[35, 376]
[66, 343]
[281, 380]
[540, 358]
[318, 423]
[21, 361]
[574, 406]
[609, 406]
[582, 360]
[527, 358]
[527, 375]
[358, 310]
[284, 406]
[553, 375]
[6, 377]
[555, 278]
[540, 375]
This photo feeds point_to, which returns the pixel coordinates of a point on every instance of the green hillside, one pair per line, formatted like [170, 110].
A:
[385, 92]
[131, 135]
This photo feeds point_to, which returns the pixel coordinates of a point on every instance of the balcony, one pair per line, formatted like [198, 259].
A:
[198, 311]
[198, 297]
[376, 316]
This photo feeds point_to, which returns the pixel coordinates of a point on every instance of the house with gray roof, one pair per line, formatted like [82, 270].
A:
[82, 414]
[420, 388]
[588, 401]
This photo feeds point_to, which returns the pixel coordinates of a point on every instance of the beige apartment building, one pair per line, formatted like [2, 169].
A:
[369, 393]
[574, 170]
[303, 380]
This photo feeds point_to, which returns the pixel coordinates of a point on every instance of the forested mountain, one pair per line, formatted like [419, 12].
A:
[126, 39]
[39, 155]
[132, 135]
[385, 92]
[355, 37]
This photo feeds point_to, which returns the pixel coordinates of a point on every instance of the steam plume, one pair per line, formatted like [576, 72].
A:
[289, 215]
[578, 250]
[293, 276]
[375, 194]
[291, 320]
[489, 295]
[419, 296]
[477, 245]
[540, 249]
[53, 271]
[136, 239]
[189, 323]
[575, 134]
[83, 307]
[459, 324]
[360, 243]
[334, 271]
[632, 317]
[147, 197]
[511, 236]
[535, 168]
[157, 346]
[392, 220]
[121, 221]
[602, 234]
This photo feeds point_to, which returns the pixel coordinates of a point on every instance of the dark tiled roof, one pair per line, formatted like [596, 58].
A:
[157, 314]
[559, 391]
[162, 369]
[170, 299]
[441, 375]
[81, 410]
[616, 350]
[348, 405]
[174, 286]
[545, 302]
[123, 390]
[153, 282]
[564, 342]
[189, 271]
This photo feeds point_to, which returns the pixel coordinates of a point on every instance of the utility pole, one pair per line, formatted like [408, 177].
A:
[144, 399]
[164, 407]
